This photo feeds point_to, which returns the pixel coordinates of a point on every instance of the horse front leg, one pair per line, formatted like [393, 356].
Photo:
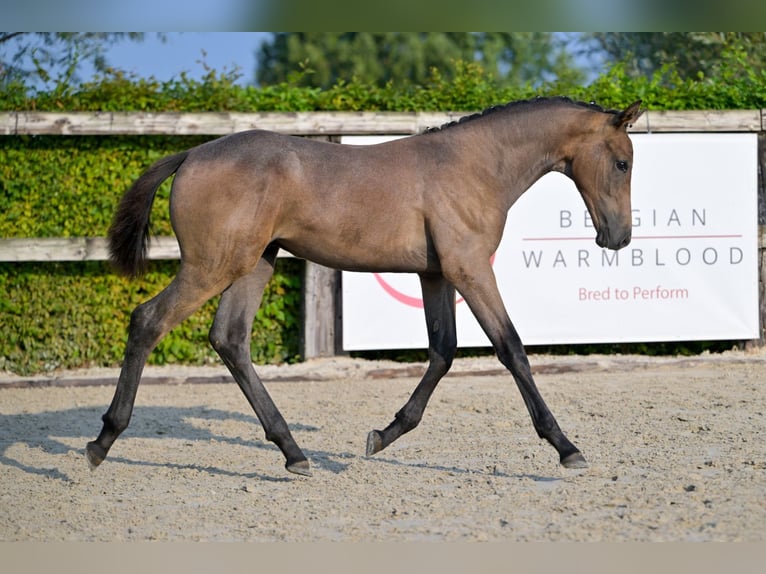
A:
[439, 305]
[479, 290]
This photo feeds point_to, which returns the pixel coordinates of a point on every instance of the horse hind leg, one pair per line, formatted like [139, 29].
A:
[439, 306]
[230, 337]
[149, 323]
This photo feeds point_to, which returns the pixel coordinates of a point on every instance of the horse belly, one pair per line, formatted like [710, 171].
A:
[387, 247]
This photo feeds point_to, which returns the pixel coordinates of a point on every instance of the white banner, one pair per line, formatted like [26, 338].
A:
[690, 273]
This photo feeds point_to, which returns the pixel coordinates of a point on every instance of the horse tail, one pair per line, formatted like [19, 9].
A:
[129, 232]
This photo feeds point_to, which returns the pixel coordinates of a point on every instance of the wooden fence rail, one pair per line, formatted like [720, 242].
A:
[321, 285]
[325, 123]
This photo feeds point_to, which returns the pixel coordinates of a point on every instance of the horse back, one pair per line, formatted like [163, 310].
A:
[350, 207]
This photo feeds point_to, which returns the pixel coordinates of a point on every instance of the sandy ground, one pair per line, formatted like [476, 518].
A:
[676, 450]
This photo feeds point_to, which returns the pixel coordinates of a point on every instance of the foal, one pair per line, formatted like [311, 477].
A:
[434, 204]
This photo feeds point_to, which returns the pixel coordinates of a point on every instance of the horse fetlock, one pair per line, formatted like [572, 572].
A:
[279, 434]
[407, 420]
[113, 426]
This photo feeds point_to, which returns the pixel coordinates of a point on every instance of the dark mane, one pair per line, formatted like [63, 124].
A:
[511, 106]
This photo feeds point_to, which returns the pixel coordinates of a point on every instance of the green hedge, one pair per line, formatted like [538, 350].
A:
[58, 315]
[737, 87]
[65, 315]
[69, 186]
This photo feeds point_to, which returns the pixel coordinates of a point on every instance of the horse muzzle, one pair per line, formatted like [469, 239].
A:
[615, 241]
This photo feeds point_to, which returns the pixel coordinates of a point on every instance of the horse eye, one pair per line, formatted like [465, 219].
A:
[622, 165]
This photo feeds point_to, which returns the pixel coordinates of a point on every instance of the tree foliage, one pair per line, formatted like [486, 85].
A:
[692, 54]
[402, 58]
[54, 56]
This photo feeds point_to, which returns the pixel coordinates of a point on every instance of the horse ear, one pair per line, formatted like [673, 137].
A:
[629, 115]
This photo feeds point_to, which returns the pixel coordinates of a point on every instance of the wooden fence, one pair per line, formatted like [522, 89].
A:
[321, 315]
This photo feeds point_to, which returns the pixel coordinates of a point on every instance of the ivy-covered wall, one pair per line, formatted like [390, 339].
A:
[66, 315]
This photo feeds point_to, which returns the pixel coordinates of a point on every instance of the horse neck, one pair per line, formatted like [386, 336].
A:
[527, 145]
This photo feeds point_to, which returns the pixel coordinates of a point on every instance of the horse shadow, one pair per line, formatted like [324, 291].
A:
[51, 431]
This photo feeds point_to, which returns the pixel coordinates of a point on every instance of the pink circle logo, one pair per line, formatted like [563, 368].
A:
[409, 300]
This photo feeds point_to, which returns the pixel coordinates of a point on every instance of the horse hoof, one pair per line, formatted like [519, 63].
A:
[301, 467]
[374, 443]
[95, 455]
[574, 460]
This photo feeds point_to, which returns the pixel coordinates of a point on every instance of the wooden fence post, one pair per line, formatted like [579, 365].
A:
[761, 239]
[321, 336]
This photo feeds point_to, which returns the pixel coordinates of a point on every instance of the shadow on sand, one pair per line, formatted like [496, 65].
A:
[48, 431]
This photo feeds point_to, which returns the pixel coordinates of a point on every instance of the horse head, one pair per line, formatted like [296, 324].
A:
[600, 164]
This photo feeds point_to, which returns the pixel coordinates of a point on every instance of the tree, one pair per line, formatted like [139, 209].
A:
[320, 59]
[691, 53]
[29, 56]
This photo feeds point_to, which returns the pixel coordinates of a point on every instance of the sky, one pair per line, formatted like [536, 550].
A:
[287, 15]
[183, 51]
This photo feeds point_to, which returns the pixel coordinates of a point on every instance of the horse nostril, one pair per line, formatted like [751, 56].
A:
[625, 241]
